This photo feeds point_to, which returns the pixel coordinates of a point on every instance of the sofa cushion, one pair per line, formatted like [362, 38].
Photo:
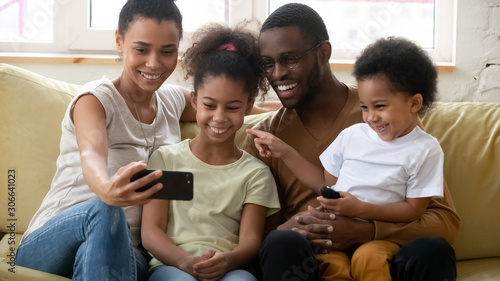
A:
[480, 269]
[31, 109]
[469, 133]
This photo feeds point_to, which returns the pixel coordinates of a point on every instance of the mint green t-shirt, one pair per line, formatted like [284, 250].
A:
[211, 220]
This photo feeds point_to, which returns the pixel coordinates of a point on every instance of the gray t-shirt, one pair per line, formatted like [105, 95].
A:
[126, 143]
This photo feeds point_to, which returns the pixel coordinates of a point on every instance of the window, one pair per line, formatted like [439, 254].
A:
[26, 22]
[87, 26]
[353, 24]
[205, 11]
[15, 27]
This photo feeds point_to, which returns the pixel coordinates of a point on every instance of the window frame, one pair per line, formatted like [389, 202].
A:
[83, 38]
[74, 36]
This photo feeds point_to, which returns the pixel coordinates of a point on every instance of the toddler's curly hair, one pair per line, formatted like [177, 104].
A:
[407, 67]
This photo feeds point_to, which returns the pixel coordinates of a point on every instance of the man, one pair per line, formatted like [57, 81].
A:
[295, 53]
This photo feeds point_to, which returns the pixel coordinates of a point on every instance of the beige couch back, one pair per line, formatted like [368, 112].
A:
[31, 111]
[469, 134]
[32, 107]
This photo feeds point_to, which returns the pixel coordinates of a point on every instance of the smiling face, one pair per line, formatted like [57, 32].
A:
[294, 86]
[149, 50]
[390, 114]
[221, 105]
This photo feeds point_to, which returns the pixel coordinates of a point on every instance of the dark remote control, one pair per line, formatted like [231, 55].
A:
[329, 193]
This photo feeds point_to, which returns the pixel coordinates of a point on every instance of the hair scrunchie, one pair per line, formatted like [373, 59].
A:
[227, 47]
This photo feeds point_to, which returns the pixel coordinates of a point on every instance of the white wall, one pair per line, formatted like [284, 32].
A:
[477, 46]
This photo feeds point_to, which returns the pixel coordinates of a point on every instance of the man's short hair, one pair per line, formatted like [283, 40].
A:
[304, 17]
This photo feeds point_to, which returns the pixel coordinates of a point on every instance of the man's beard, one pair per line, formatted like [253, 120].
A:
[313, 82]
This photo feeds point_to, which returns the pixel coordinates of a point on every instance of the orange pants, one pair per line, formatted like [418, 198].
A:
[369, 262]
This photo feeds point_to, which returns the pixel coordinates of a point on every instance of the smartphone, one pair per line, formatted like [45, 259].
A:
[177, 185]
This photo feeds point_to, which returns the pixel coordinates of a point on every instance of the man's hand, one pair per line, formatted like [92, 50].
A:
[328, 232]
[349, 232]
[313, 224]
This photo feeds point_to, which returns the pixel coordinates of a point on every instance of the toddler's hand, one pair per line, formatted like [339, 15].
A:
[267, 144]
[347, 205]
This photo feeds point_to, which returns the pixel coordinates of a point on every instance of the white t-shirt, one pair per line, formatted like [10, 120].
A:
[126, 144]
[381, 172]
[212, 219]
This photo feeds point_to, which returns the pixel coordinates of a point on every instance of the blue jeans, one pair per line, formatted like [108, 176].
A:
[172, 273]
[88, 241]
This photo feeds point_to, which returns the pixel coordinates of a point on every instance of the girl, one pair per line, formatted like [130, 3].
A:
[220, 230]
[108, 132]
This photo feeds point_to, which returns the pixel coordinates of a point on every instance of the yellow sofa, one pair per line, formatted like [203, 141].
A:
[32, 107]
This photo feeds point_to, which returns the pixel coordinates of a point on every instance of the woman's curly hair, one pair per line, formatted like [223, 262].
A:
[205, 58]
[407, 67]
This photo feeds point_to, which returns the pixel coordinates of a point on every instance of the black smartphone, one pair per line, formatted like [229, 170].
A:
[329, 193]
[177, 185]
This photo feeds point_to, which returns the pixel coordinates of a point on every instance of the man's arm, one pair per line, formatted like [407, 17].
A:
[348, 205]
[325, 230]
[440, 219]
